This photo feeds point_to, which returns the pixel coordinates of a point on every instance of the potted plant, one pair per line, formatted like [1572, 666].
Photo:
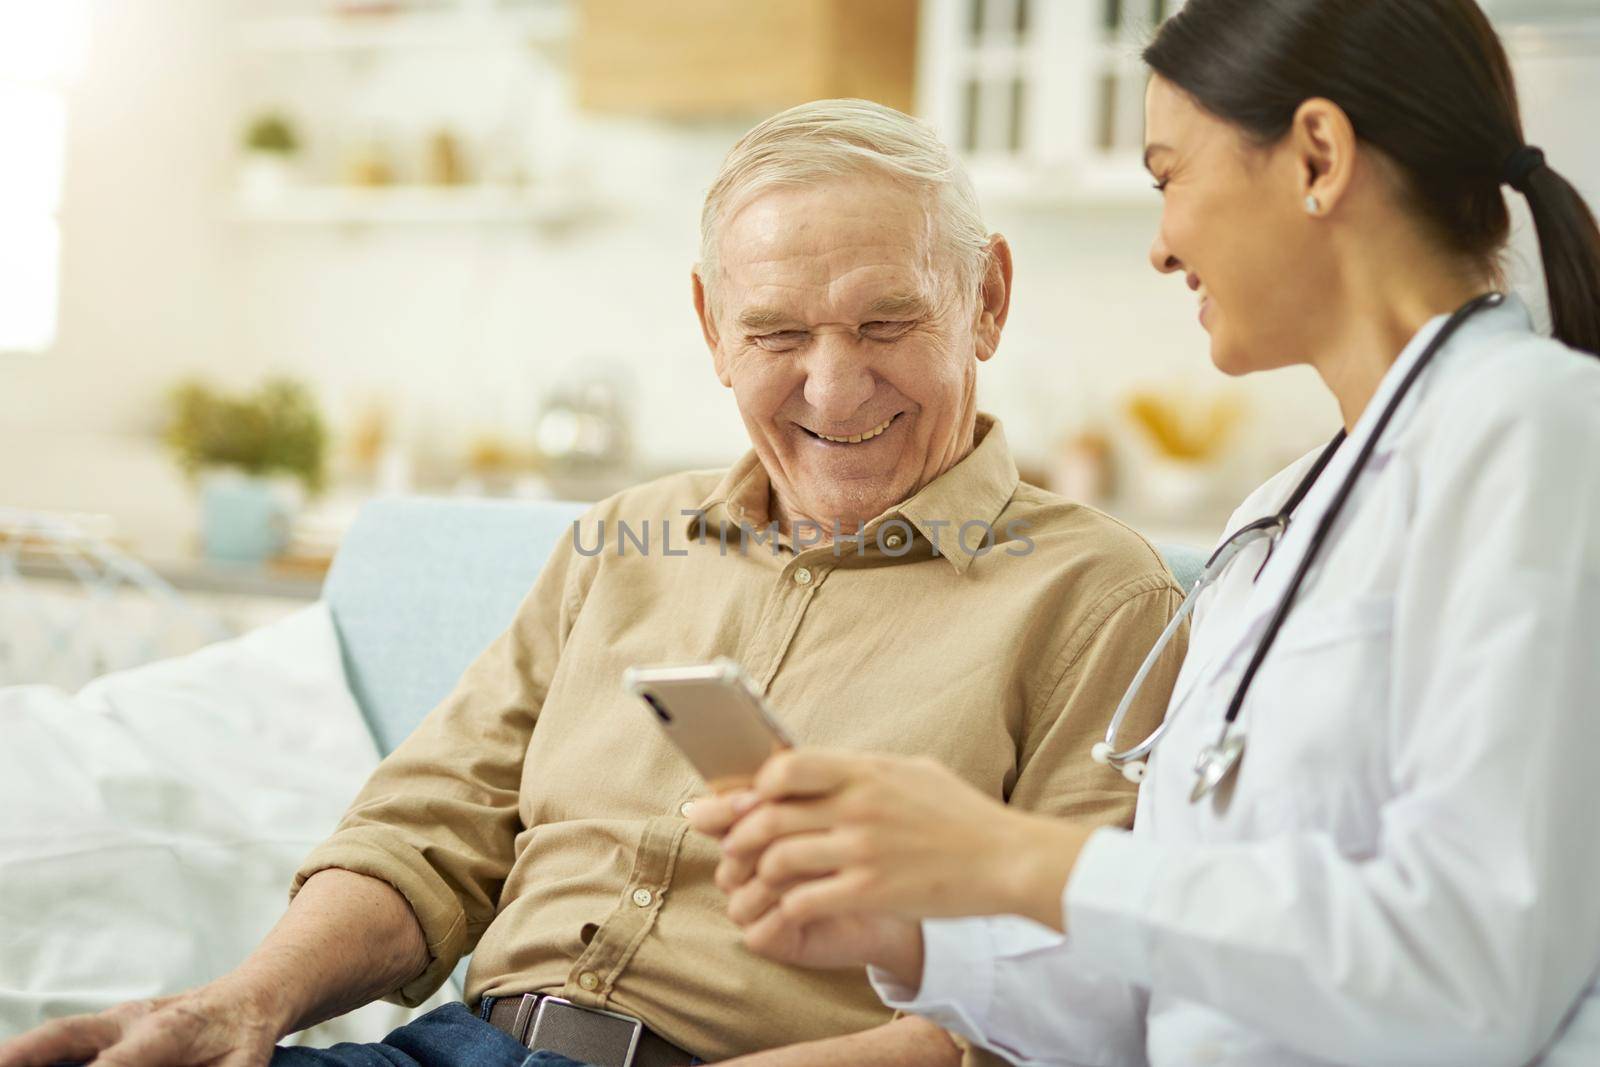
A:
[254, 457]
[270, 148]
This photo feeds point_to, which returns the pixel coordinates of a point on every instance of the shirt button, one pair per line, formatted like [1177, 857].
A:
[803, 576]
[683, 809]
[642, 897]
[894, 541]
[589, 980]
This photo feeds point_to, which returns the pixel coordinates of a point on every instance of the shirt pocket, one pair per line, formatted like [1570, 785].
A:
[1316, 720]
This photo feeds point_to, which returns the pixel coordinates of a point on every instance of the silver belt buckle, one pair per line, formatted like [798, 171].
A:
[589, 1035]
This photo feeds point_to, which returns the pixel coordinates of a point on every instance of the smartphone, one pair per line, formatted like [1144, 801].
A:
[714, 715]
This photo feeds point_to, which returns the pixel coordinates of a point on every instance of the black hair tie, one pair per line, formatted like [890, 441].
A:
[1520, 166]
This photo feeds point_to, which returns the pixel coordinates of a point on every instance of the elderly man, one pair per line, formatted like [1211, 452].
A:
[875, 565]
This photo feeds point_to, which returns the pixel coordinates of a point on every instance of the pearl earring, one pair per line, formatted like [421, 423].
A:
[1313, 205]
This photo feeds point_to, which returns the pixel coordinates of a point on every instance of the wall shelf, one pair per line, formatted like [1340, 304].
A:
[408, 205]
[542, 26]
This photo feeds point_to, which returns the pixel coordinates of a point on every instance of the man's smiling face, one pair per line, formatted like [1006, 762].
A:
[850, 351]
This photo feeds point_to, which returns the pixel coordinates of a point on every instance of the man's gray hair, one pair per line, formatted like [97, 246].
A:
[832, 138]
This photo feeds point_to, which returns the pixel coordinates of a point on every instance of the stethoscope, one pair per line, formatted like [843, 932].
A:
[1216, 761]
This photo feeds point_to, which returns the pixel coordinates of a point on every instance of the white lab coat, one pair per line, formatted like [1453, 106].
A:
[1408, 871]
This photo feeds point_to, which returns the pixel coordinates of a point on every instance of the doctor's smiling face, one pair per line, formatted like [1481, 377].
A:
[849, 343]
[1235, 225]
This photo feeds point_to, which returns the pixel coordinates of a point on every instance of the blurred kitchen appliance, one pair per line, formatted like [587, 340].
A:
[582, 430]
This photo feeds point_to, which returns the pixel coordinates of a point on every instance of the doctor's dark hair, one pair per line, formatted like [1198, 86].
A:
[1426, 82]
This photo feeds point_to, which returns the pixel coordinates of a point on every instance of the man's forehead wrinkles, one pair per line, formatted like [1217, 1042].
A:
[829, 257]
[800, 265]
[766, 314]
[830, 283]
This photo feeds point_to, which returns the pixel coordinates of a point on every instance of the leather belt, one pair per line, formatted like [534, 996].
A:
[543, 1023]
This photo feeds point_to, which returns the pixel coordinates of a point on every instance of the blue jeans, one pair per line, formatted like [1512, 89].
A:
[447, 1036]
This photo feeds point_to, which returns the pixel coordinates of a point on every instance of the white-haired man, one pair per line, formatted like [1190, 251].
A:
[875, 565]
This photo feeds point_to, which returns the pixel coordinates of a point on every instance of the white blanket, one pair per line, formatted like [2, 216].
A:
[150, 824]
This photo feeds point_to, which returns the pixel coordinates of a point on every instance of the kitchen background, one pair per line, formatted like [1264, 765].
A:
[443, 246]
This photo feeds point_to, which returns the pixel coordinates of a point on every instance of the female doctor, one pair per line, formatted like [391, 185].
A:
[1368, 833]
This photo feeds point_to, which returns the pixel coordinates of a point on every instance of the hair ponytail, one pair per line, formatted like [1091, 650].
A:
[1569, 246]
[1425, 82]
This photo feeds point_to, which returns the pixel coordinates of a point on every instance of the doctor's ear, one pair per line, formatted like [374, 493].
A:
[1323, 141]
[994, 296]
[708, 326]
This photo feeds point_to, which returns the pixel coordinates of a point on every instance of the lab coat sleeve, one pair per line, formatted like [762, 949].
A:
[1474, 926]
[1009, 985]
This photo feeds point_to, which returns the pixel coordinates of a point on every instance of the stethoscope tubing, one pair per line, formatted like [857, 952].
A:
[1324, 528]
[1144, 747]
[1221, 559]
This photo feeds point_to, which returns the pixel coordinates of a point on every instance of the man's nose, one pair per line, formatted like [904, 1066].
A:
[839, 378]
[1161, 257]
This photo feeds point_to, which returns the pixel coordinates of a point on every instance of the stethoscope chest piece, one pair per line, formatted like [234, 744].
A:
[1216, 762]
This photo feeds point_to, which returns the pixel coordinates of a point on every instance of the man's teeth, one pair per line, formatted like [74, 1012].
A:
[1202, 294]
[858, 438]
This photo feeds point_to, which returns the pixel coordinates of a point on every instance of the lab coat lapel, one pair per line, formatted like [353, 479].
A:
[1240, 632]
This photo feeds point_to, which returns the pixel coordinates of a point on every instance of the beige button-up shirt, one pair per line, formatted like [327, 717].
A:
[536, 815]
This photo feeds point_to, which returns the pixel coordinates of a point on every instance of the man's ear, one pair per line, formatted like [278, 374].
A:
[994, 297]
[1324, 142]
[708, 328]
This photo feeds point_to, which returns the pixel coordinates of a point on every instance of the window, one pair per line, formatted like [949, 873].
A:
[1041, 95]
[989, 58]
[1124, 27]
[40, 50]
[996, 89]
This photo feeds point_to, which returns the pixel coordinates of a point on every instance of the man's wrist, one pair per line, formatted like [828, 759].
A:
[268, 1001]
[276, 982]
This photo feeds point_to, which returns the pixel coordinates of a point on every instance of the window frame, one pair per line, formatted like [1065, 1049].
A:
[54, 80]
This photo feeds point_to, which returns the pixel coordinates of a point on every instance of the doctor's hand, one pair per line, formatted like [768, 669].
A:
[838, 942]
[824, 835]
[885, 941]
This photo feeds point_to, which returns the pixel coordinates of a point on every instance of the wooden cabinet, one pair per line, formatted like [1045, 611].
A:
[734, 58]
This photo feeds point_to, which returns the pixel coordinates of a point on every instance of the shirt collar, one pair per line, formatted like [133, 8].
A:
[976, 489]
[741, 496]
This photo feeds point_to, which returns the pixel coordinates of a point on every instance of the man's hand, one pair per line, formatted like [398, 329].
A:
[219, 1023]
[346, 940]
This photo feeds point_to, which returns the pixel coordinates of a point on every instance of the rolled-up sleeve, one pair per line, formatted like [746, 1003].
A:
[439, 817]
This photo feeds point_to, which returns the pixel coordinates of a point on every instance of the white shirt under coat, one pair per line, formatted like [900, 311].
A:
[1408, 870]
